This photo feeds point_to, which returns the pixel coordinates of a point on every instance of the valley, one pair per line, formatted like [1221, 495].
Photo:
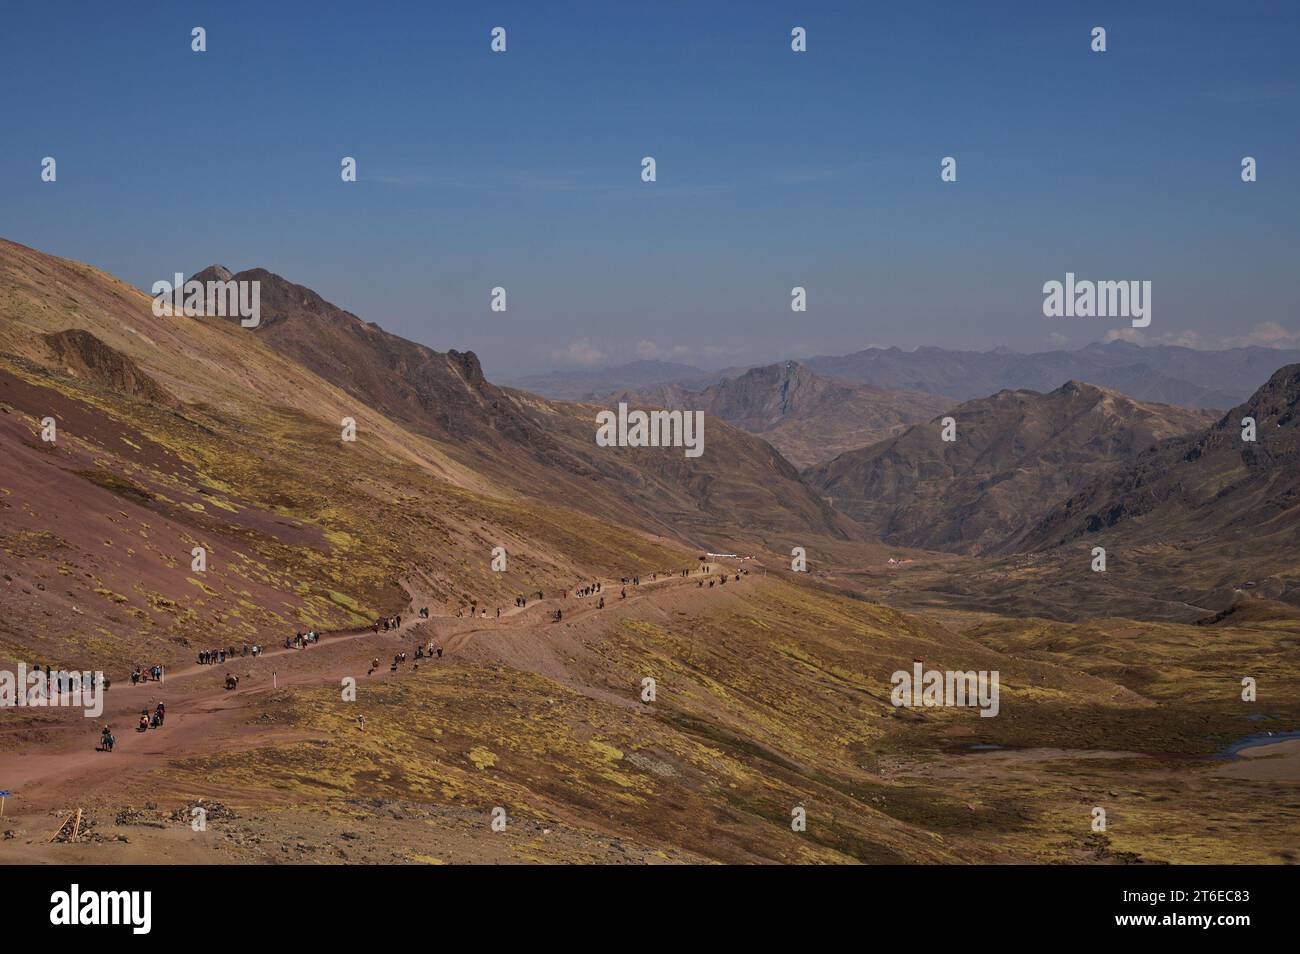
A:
[1119, 690]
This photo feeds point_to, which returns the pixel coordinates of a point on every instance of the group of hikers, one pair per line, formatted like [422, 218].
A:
[148, 720]
[145, 674]
[429, 651]
[58, 681]
[213, 657]
[722, 579]
[154, 719]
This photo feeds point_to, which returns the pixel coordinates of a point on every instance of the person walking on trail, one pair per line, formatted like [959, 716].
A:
[106, 739]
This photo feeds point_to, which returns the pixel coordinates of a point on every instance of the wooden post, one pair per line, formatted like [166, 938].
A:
[62, 825]
[76, 826]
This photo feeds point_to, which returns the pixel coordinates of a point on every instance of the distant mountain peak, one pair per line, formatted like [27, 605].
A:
[213, 273]
[1016, 454]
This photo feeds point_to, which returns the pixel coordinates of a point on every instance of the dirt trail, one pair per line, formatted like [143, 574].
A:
[58, 758]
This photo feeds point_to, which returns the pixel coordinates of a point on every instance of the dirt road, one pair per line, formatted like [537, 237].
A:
[56, 757]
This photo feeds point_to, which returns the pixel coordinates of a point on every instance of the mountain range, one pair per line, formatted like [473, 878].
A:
[1014, 456]
[807, 417]
[134, 445]
[1161, 374]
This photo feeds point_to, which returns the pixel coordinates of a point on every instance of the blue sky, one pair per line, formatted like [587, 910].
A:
[774, 168]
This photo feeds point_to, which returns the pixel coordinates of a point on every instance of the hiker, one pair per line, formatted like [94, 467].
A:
[135, 677]
[144, 724]
[439, 652]
[601, 604]
[106, 739]
[160, 712]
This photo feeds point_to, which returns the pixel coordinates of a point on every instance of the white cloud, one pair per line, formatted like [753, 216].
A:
[653, 351]
[580, 351]
[1266, 334]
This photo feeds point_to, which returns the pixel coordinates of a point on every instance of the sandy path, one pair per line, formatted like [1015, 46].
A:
[65, 762]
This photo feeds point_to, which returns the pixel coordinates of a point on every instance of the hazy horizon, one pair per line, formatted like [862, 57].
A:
[775, 169]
